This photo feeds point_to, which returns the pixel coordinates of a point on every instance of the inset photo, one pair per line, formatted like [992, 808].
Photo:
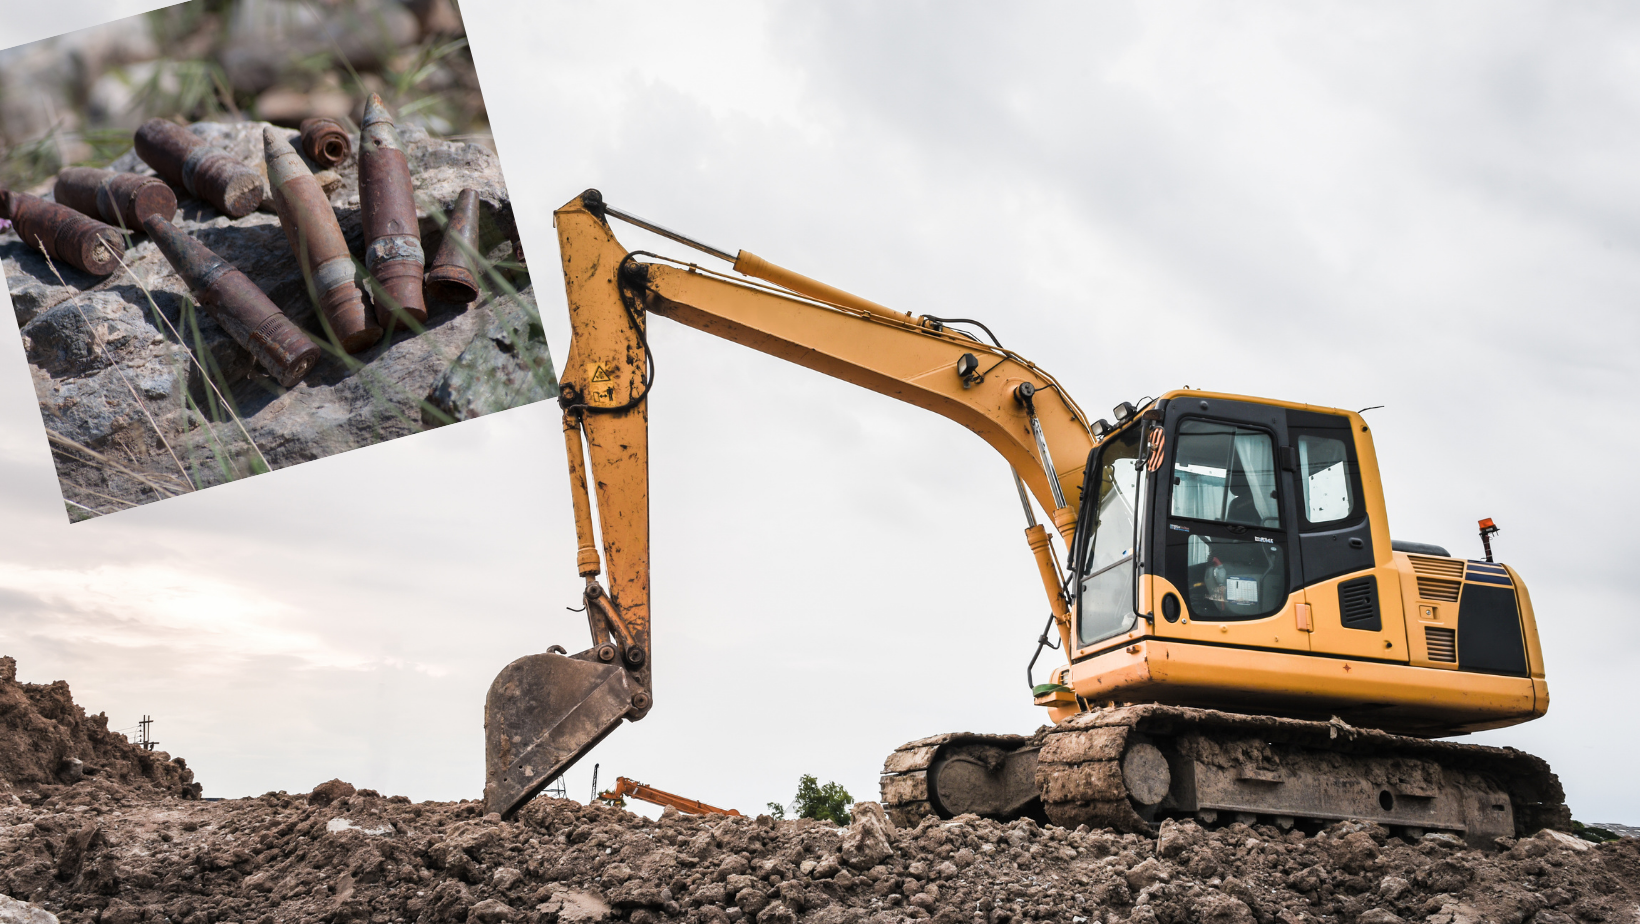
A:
[239, 235]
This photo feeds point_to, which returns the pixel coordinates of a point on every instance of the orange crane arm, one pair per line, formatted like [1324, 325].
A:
[546, 711]
[997, 393]
[625, 787]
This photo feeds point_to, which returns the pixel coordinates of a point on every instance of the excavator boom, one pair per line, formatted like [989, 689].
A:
[546, 710]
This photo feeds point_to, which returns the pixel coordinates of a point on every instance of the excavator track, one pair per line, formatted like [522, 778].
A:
[905, 780]
[1129, 767]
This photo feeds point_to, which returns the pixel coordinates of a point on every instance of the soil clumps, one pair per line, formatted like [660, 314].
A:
[122, 847]
[48, 744]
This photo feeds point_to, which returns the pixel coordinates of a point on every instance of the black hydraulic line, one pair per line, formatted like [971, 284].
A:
[1041, 643]
[969, 321]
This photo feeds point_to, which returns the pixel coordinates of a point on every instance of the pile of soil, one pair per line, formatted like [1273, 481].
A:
[47, 743]
[104, 850]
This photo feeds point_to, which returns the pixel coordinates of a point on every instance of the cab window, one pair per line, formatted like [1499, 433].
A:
[1324, 477]
[1225, 544]
[1225, 473]
[1105, 604]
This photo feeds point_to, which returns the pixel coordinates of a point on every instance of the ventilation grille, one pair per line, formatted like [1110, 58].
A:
[1451, 568]
[1437, 589]
[1358, 604]
[1442, 644]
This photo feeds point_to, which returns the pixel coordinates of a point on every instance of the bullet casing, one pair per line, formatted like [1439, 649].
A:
[82, 242]
[316, 239]
[451, 277]
[325, 141]
[124, 200]
[208, 174]
[387, 201]
[236, 304]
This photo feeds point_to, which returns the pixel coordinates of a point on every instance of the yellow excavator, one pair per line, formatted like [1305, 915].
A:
[1243, 640]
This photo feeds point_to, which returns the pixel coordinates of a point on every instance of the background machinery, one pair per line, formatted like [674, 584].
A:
[1242, 637]
[625, 787]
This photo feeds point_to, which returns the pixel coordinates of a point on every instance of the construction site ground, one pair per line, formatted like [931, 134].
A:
[120, 839]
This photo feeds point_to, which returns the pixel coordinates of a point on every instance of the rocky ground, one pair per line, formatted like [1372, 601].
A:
[130, 417]
[123, 847]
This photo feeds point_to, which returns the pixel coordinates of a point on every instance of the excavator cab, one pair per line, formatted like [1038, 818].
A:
[1235, 552]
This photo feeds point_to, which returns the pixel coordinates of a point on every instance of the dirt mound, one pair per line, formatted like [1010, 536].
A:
[362, 857]
[48, 744]
[128, 841]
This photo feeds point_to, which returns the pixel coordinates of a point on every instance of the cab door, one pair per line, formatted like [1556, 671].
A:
[1224, 546]
[1354, 605]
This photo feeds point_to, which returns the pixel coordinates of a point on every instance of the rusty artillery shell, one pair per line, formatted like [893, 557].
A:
[187, 162]
[316, 240]
[83, 243]
[230, 297]
[451, 278]
[325, 141]
[124, 200]
[387, 201]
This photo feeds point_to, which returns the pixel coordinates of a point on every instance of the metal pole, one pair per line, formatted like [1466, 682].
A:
[1024, 499]
[653, 228]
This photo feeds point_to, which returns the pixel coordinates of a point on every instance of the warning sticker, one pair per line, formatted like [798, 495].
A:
[1241, 590]
[600, 385]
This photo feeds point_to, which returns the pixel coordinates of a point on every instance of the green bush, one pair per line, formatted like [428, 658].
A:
[1592, 833]
[827, 803]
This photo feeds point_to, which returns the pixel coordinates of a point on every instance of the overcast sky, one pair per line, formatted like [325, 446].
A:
[1434, 208]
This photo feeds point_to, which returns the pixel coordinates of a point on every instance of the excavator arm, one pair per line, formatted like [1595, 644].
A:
[646, 793]
[545, 711]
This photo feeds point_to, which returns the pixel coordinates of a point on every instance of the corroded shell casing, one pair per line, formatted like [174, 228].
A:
[451, 277]
[187, 162]
[325, 141]
[316, 239]
[123, 200]
[235, 302]
[82, 242]
[387, 201]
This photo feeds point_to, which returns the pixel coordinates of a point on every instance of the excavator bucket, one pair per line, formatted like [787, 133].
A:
[543, 713]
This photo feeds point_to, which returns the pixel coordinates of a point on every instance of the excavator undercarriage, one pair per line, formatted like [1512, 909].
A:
[1129, 767]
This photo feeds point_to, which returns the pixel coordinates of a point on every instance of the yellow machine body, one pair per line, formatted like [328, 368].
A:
[1402, 672]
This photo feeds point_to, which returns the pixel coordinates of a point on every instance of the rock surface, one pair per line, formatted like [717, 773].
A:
[129, 409]
[13, 911]
[117, 850]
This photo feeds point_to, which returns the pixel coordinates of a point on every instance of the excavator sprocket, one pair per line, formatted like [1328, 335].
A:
[1128, 767]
